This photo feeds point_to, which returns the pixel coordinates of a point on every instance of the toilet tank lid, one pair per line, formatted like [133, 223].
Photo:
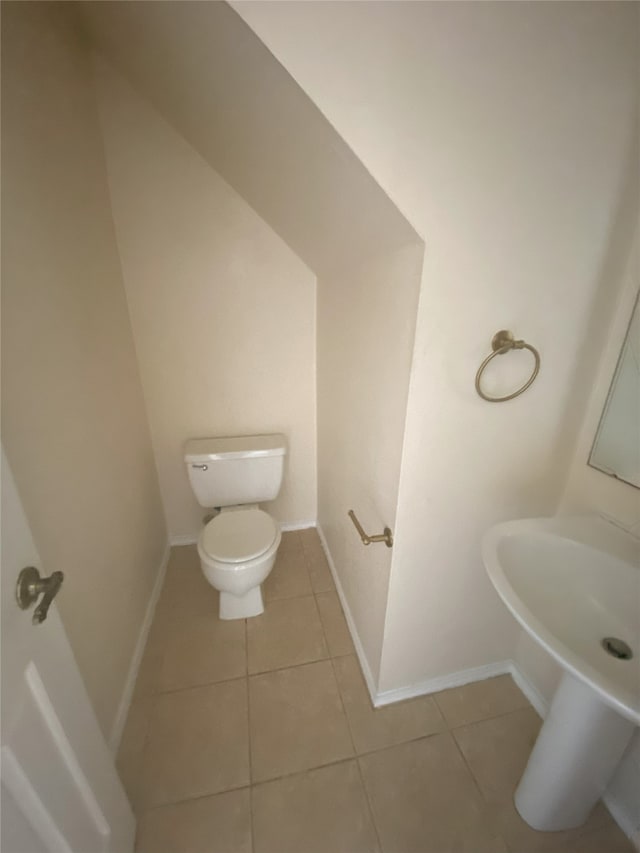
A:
[235, 447]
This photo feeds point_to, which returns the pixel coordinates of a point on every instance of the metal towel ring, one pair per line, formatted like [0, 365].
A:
[502, 342]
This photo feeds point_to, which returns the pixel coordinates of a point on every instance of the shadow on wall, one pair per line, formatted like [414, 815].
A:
[613, 266]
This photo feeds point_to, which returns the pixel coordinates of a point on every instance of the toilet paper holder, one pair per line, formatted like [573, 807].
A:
[386, 536]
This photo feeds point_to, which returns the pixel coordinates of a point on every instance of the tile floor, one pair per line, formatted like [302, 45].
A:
[257, 736]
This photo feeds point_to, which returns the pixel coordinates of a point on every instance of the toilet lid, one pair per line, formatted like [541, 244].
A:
[239, 535]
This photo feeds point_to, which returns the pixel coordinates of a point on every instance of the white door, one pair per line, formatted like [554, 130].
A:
[59, 787]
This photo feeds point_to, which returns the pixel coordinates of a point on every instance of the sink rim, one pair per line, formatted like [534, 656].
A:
[583, 530]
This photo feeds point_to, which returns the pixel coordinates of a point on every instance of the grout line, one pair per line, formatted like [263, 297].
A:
[356, 756]
[251, 831]
[246, 661]
[400, 743]
[344, 709]
[369, 805]
[170, 692]
[192, 799]
[491, 809]
[322, 626]
[333, 763]
[289, 666]
[469, 768]
[270, 600]
[325, 635]
[157, 693]
[492, 717]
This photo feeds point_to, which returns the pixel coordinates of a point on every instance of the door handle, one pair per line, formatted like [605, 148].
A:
[30, 586]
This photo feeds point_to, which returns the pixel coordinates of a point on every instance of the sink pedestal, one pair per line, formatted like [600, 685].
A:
[577, 751]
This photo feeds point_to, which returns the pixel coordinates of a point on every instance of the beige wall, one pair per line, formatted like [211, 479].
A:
[223, 312]
[502, 132]
[366, 321]
[73, 419]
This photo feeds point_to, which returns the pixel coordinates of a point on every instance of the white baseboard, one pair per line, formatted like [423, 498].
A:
[192, 538]
[540, 704]
[127, 693]
[443, 682]
[433, 685]
[364, 663]
[622, 818]
[183, 539]
[298, 525]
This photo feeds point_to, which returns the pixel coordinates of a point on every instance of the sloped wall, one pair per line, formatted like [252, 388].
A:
[221, 89]
[73, 420]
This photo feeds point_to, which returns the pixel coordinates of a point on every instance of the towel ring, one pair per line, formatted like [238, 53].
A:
[502, 342]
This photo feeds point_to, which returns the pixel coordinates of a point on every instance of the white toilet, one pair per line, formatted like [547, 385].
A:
[238, 546]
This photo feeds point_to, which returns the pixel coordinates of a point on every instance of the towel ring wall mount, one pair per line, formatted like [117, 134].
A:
[501, 343]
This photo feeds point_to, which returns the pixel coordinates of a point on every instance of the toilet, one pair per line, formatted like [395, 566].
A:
[238, 546]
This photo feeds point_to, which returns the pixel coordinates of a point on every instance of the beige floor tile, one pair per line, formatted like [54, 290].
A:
[130, 752]
[290, 541]
[320, 811]
[334, 624]
[425, 800]
[480, 700]
[296, 721]
[289, 632]
[377, 728]
[598, 835]
[219, 824]
[497, 751]
[289, 577]
[319, 571]
[148, 678]
[197, 743]
[309, 537]
[203, 650]
[186, 592]
[186, 596]
[601, 839]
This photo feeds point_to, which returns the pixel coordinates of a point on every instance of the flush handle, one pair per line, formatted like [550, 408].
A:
[201, 467]
[31, 586]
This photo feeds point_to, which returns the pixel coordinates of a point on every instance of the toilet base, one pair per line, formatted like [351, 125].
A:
[241, 606]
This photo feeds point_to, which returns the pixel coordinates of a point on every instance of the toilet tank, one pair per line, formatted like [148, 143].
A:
[237, 470]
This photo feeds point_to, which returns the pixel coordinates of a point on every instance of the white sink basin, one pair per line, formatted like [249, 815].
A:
[573, 583]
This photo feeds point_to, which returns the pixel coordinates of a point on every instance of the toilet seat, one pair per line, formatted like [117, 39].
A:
[238, 536]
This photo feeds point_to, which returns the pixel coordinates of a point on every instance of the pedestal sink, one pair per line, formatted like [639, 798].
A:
[574, 586]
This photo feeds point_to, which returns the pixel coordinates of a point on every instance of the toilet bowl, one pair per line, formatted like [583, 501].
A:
[237, 550]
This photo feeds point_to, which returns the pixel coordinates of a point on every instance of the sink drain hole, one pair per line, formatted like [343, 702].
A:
[617, 648]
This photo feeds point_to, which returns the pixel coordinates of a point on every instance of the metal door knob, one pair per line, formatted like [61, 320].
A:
[30, 586]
